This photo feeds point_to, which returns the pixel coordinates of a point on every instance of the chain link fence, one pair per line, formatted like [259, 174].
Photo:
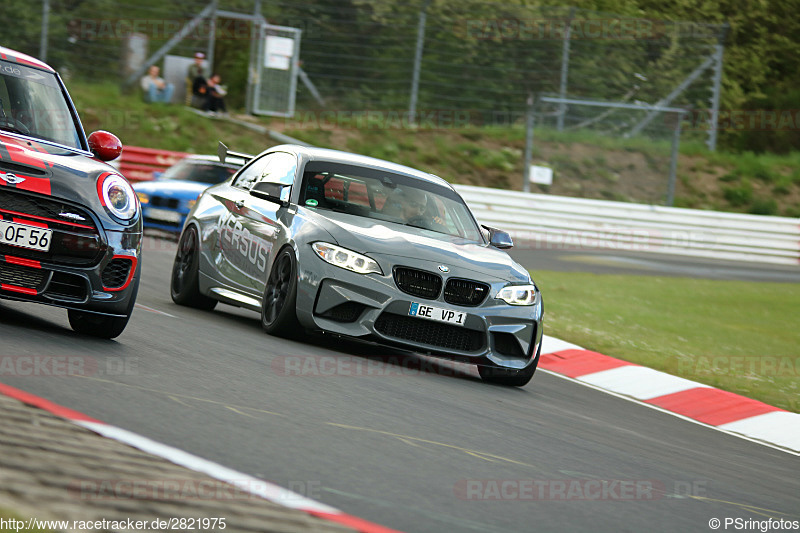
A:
[480, 56]
[480, 62]
[489, 57]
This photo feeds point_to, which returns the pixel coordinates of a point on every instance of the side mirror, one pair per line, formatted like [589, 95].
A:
[272, 192]
[104, 145]
[499, 238]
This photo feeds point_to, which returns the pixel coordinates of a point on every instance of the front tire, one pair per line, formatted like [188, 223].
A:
[184, 286]
[279, 304]
[509, 378]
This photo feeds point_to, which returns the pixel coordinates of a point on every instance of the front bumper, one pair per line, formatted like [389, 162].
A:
[372, 307]
[106, 287]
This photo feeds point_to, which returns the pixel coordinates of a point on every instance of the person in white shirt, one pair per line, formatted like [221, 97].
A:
[155, 88]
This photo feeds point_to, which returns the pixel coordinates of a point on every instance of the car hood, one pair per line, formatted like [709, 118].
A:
[172, 188]
[379, 238]
[54, 171]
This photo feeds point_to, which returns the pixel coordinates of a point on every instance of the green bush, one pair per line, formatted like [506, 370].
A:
[739, 196]
[764, 206]
[750, 165]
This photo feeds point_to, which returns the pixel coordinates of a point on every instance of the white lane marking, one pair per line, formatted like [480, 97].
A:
[779, 427]
[155, 311]
[253, 485]
[721, 429]
[639, 382]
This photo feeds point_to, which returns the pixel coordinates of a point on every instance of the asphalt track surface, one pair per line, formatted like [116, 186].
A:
[415, 444]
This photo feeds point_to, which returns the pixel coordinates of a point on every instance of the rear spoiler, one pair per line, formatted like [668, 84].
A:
[223, 153]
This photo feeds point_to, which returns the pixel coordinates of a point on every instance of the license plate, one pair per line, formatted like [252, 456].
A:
[25, 236]
[164, 215]
[438, 314]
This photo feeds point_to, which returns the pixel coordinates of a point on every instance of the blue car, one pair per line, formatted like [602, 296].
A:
[167, 199]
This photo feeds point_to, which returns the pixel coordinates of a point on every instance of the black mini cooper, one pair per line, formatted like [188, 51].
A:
[70, 224]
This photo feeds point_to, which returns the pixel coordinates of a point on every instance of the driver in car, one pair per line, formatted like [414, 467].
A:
[408, 204]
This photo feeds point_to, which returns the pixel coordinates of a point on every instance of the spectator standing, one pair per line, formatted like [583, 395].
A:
[216, 95]
[155, 88]
[195, 82]
[197, 69]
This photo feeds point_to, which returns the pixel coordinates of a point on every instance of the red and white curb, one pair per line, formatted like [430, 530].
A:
[707, 405]
[244, 482]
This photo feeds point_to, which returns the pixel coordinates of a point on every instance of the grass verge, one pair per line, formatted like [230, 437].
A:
[737, 336]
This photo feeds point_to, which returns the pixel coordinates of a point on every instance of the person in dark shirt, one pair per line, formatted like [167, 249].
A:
[195, 82]
[216, 92]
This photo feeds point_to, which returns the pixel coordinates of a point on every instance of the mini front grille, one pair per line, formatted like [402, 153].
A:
[418, 282]
[15, 202]
[160, 201]
[66, 247]
[465, 292]
[115, 274]
[346, 312]
[19, 276]
[65, 286]
[430, 333]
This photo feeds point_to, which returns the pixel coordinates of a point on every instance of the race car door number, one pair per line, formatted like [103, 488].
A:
[437, 313]
[25, 236]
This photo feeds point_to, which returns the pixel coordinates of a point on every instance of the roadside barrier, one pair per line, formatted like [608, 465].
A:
[139, 164]
[557, 222]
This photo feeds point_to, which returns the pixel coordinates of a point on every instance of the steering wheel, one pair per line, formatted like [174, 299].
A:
[14, 124]
[419, 221]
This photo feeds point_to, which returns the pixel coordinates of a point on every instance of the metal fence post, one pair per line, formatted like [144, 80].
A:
[412, 105]
[45, 25]
[526, 170]
[252, 67]
[673, 162]
[711, 142]
[212, 31]
[562, 90]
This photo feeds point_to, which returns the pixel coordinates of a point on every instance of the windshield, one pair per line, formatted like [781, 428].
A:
[200, 171]
[387, 196]
[32, 103]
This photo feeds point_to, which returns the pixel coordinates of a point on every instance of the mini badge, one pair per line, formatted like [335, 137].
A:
[11, 179]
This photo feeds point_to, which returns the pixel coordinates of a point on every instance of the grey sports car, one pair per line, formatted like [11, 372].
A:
[329, 241]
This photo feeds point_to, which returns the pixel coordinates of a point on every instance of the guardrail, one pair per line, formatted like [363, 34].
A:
[556, 222]
[553, 222]
[138, 164]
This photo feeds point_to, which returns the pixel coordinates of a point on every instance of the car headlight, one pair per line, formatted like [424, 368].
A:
[117, 195]
[347, 259]
[518, 294]
[143, 198]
